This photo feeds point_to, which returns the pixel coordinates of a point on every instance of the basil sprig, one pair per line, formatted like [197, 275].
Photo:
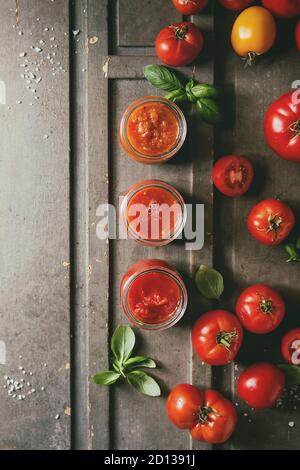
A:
[293, 250]
[209, 282]
[127, 366]
[203, 95]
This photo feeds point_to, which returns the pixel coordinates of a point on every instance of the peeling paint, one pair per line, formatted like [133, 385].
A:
[105, 67]
[90, 438]
[17, 13]
[93, 40]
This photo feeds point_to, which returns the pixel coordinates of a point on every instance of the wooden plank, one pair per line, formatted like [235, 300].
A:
[241, 259]
[98, 251]
[131, 426]
[79, 223]
[34, 228]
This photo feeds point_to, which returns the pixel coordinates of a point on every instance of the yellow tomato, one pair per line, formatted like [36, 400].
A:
[253, 32]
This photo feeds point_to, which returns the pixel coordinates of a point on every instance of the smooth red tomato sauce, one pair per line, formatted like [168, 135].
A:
[153, 213]
[152, 129]
[154, 297]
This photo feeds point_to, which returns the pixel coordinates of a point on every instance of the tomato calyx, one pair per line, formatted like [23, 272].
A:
[203, 414]
[225, 338]
[274, 222]
[181, 31]
[266, 306]
[250, 59]
[295, 128]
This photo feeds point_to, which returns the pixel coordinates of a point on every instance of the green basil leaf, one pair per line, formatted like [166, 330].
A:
[140, 361]
[292, 374]
[162, 78]
[209, 282]
[143, 383]
[118, 367]
[106, 378]
[204, 90]
[209, 111]
[188, 89]
[122, 343]
[294, 254]
[298, 244]
[177, 96]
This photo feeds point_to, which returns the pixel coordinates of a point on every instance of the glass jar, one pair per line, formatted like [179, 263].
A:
[153, 295]
[152, 130]
[153, 212]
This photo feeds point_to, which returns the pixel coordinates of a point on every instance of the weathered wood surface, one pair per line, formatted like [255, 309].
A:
[137, 422]
[34, 224]
[241, 258]
[49, 217]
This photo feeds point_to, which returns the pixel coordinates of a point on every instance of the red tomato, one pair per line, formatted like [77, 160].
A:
[179, 44]
[271, 221]
[190, 7]
[297, 35]
[283, 8]
[235, 5]
[290, 346]
[207, 414]
[261, 385]
[217, 337]
[282, 126]
[233, 175]
[260, 309]
[183, 405]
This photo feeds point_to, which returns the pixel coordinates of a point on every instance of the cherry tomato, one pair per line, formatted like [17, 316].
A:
[253, 33]
[207, 414]
[282, 126]
[190, 7]
[261, 385]
[217, 337]
[233, 175]
[179, 44]
[290, 346]
[235, 5]
[283, 8]
[271, 221]
[297, 35]
[260, 309]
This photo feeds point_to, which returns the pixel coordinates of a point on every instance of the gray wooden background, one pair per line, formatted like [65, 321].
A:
[70, 69]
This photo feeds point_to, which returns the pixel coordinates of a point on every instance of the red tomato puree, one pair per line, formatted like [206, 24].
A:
[154, 297]
[153, 129]
[154, 219]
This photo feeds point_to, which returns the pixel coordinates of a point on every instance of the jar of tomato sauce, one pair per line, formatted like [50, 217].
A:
[152, 130]
[153, 212]
[153, 295]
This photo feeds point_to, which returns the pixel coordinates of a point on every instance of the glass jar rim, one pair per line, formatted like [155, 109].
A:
[177, 315]
[132, 191]
[160, 158]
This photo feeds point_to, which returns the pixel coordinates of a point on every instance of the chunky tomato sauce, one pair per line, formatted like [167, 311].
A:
[152, 129]
[154, 297]
[153, 213]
